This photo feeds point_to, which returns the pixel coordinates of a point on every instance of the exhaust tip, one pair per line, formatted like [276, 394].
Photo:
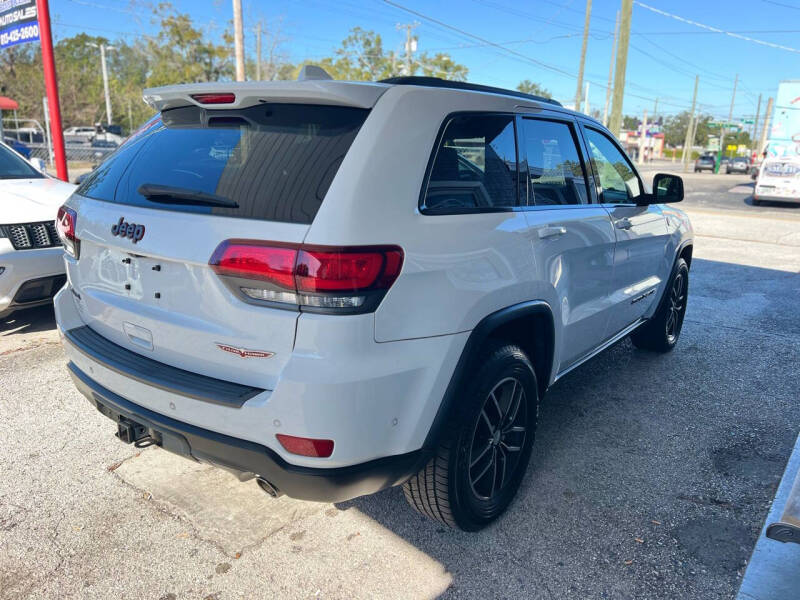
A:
[268, 488]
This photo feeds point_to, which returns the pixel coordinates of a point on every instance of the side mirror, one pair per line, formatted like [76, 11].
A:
[667, 188]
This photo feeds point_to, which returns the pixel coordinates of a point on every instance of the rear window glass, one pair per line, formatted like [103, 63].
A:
[273, 161]
[475, 165]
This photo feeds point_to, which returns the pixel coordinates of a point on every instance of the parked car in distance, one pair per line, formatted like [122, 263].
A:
[330, 341]
[778, 180]
[705, 163]
[18, 147]
[31, 263]
[738, 164]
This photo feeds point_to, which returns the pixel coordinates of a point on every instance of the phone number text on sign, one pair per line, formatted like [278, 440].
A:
[19, 35]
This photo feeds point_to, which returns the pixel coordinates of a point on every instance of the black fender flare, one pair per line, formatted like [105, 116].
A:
[477, 338]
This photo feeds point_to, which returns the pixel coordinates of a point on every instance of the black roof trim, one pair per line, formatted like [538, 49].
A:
[463, 85]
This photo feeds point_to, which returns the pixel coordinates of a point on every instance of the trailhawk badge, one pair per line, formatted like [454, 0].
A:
[245, 353]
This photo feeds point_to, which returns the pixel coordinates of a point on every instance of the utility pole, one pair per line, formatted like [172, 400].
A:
[258, 51]
[687, 150]
[586, 100]
[755, 122]
[579, 90]
[655, 111]
[611, 71]
[765, 130]
[730, 116]
[104, 68]
[615, 121]
[643, 138]
[692, 137]
[410, 46]
[238, 39]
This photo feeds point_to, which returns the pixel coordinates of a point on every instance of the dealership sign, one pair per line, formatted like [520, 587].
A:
[18, 22]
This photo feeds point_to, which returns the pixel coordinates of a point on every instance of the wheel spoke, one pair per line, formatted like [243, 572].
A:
[502, 455]
[510, 402]
[482, 473]
[496, 405]
[481, 455]
[488, 422]
[510, 448]
[494, 471]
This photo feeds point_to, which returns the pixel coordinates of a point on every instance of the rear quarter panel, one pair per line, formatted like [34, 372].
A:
[457, 268]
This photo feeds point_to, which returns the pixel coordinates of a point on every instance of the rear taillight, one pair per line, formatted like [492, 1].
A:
[315, 278]
[306, 446]
[215, 98]
[66, 222]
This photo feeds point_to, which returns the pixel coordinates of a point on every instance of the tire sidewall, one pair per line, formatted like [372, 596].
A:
[471, 512]
[683, 269]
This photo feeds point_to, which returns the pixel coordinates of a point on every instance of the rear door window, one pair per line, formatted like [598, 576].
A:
[475, 166]
[274, 162]
[556, 173]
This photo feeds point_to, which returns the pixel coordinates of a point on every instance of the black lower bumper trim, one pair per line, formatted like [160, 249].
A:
[305, 483]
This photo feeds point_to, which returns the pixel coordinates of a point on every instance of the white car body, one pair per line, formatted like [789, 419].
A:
[778, 180]
[30, 252]
[373, 382]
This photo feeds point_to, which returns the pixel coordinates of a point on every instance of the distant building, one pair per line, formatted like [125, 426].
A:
[653, 146]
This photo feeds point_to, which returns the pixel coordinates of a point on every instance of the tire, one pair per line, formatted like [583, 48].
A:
[661, 332]
[477, 467]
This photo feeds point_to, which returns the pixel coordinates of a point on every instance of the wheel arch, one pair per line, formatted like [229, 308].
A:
[528, 324]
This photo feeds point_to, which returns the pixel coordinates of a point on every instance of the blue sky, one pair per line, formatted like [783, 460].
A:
[665, 52]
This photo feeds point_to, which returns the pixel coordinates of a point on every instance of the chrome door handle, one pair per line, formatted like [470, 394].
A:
[546, 232]
[623, 224]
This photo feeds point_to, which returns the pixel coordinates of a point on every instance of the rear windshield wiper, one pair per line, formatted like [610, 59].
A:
[168, 194]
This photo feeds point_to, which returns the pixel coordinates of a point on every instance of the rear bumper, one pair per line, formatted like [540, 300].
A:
[769, 198]
[305, 483]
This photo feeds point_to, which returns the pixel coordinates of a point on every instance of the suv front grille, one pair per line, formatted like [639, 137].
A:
[25, 236]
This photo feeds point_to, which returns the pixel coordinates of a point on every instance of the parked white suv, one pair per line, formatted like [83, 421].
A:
[340, 287]
[31, 264]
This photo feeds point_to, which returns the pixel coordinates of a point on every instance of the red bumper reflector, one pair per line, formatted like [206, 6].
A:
[306, 446]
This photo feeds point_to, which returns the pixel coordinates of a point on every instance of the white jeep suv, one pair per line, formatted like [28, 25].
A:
[340, 287]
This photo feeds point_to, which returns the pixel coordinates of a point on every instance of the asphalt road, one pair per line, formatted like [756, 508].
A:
[650, 477]
[718, 191]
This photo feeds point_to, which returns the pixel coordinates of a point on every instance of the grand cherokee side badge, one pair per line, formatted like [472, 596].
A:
[244, 353]
[128, 230]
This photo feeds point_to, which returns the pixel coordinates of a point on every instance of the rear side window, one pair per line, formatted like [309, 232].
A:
[274, 162]
[475, 166]
[555, 171]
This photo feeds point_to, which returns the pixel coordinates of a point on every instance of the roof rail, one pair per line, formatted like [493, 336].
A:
[463, 85]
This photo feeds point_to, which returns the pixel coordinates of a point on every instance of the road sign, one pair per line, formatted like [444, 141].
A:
[18, 22]
[731, 147]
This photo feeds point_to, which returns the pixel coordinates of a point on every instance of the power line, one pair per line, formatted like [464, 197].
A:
[521, 56]
[716, 29]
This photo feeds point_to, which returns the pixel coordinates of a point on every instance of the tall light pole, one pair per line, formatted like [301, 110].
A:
[611, 71]
[104, 68]
[579, 90]
[730, 117]
[615, 120]
[238, 39]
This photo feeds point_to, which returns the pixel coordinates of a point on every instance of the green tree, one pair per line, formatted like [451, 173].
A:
[526, 86]
[675, 129]
[362, 57]
[630, 123]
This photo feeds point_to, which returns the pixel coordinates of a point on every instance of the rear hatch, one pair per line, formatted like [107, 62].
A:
[150, 218]
[780, 177]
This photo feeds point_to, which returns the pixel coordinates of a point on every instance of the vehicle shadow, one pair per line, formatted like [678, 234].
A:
[31, 320]
[650, 472]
